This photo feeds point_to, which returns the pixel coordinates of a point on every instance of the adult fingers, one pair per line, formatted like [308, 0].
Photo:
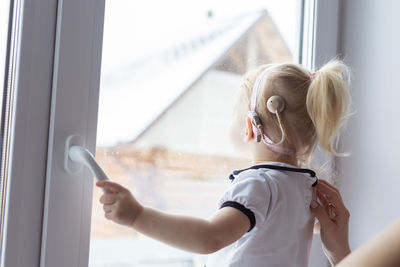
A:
[322, 198]
[328, 185]
[332, 194]
[322, 216]
[329, 208]
[111, 186]
[327, 193]
[108, 199]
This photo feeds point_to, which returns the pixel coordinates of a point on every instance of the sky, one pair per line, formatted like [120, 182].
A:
[141, 27]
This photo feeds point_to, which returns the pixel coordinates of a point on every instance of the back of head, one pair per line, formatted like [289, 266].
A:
[317, 105]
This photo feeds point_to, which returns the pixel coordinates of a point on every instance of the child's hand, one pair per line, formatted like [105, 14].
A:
[118, 203]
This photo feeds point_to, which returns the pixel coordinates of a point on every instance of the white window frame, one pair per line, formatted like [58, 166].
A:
[75, 94]
[48, 210]
[31, 68]
[56, 79]
[320, 33]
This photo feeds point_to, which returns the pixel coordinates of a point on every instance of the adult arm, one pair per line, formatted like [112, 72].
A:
[381, 251]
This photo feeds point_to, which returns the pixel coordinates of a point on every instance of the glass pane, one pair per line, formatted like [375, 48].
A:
[4, 104]
[169, 77]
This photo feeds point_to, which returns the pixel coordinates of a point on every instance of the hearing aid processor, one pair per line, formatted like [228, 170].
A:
[275, 105]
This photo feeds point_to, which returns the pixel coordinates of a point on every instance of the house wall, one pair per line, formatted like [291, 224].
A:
[370, 182]
[199, 121]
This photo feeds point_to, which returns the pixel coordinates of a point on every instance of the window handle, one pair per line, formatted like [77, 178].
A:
[76, 156]
[80, 154]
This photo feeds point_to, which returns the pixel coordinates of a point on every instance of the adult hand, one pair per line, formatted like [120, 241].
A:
[333, 222]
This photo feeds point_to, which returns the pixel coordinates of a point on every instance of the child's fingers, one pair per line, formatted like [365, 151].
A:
[108, 208]
[108, 199]
[112, 186]
[109, 215]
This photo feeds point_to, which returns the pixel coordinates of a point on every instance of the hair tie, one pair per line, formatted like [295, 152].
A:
[313, 76]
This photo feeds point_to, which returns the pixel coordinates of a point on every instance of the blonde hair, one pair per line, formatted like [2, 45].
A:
[317, 105]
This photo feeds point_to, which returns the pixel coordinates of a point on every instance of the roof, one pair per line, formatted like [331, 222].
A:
[138, 90]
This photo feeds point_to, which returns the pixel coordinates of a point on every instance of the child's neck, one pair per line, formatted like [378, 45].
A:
[291, 162]
[267, 155]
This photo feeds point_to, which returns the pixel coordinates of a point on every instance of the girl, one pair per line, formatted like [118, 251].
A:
[282, 112]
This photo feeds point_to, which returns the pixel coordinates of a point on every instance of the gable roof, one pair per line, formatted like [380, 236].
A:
[136, 94]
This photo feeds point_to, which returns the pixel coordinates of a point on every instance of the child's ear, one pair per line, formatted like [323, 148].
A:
[249, 130]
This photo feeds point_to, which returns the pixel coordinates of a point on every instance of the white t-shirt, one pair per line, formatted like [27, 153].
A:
[276, 201]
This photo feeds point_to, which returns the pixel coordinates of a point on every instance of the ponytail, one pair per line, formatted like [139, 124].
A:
[328, 103]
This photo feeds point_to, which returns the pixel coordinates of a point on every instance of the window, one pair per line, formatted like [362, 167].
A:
[49, 212]
[168, 83]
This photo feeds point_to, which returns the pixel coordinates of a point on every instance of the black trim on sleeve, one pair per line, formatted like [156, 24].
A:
[243, 209]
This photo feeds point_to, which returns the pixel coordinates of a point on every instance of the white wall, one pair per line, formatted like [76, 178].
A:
[370, 179]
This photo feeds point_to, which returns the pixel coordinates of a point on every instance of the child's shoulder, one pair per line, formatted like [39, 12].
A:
[254, 177]
[260, 170]
[270, 172]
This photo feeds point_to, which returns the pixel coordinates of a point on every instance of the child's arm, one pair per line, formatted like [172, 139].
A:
[188, 233]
